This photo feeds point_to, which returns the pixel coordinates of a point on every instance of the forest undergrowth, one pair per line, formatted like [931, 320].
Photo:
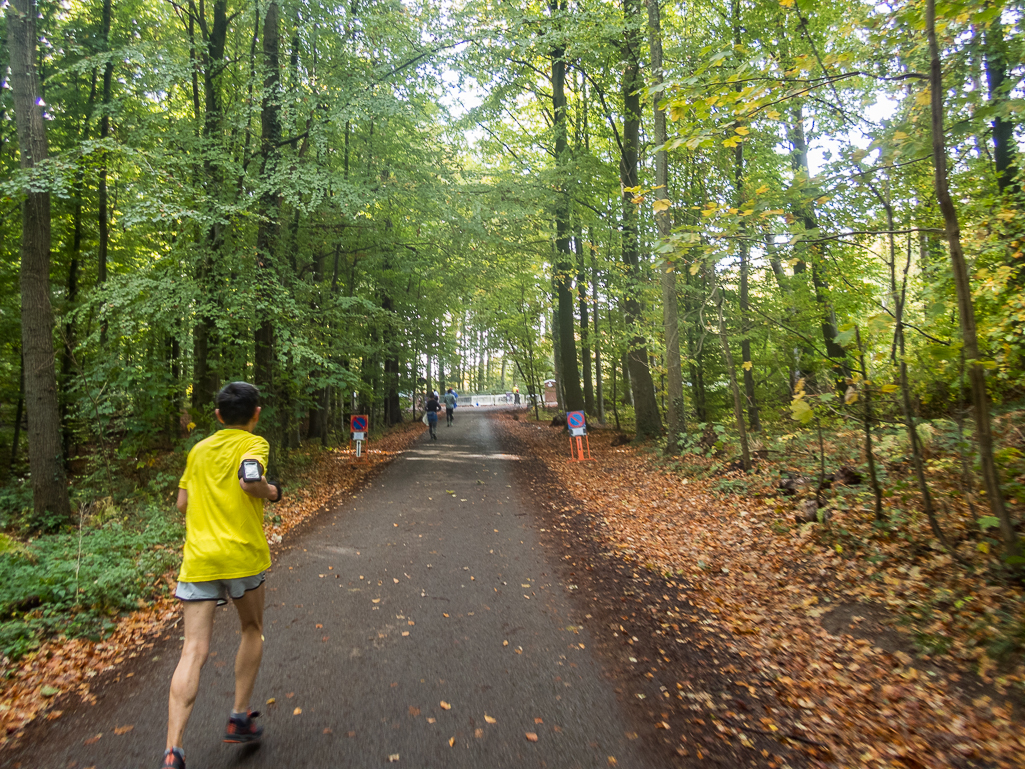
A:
[886, 649]
[67, 621]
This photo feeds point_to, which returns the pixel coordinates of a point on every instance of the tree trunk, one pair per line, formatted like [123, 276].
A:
[738, 408]
[206, 376]
[963, 288]
[563, 274]
[585, 329]
[744, 249]
[648, 419]
[49, 484]
[267, 230]
[870, 459]
[805, 211]
[599, 385]
[102, 203]
[74, 261]
[1003, 129]
[19, 412]
[670, 308]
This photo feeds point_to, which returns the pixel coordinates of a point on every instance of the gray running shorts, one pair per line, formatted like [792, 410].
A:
[218, 589]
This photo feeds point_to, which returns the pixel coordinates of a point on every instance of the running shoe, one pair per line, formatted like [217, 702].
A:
[173, 759]
[241, 729]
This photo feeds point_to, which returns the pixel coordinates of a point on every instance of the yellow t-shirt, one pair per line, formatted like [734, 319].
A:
[223, 525]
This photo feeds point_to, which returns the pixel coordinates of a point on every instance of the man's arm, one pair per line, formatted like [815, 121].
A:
[260, 489]
[183, 500]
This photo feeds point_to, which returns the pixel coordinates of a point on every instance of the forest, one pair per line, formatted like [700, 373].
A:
[739, 230]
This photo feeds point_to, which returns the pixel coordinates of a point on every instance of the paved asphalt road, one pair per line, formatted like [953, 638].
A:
[401, 598]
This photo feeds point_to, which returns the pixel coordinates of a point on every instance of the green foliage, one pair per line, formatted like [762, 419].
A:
[47, 588]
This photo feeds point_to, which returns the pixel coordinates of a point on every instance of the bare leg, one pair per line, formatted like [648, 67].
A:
[250, 650]
[199, 623]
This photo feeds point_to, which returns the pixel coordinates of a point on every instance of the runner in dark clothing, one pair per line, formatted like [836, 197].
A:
[433, 407]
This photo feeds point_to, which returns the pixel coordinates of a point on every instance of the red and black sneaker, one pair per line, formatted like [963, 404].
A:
[241, 729]
[173, 759]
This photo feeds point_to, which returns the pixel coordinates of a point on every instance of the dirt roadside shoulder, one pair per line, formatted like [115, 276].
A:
[712, 605]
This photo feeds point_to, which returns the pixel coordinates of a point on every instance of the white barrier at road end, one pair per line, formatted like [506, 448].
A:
[486, 400]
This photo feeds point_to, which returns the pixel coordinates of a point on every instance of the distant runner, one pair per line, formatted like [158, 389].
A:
[433, 407]
[450, 406]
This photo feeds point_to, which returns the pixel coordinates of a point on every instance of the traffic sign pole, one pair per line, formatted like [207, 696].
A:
[358, 424]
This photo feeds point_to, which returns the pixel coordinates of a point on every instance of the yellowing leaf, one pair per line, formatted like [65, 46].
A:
[801, 411]
[889, 388]
[742, 130]
[531, 736]
[489, 719]
[297, 711]
[762, 190]
[451, 741]
[445, 705]
[661, 205]
[747, 365]
[119, 730]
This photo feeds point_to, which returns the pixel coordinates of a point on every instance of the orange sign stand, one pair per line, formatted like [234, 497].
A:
[579, 448]
[579, 445]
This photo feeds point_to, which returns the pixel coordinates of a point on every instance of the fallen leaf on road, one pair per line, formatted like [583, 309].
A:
[538, 721]
[414, 711]
[297, 711]
[451, 741]
[119, 730]
[445, 705]
[613, 761]
[505, 643]
[431, 720]
[290, 695]
[405, 633]
[531, 736]
[350, 735]
[93, 740]
[271, 701]
[395, 580]
[478, 732]
[489, 719]
[393, 758]
[319, 626]
[376, 600]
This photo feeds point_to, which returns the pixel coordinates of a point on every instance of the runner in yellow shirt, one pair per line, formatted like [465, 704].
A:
[226, 554]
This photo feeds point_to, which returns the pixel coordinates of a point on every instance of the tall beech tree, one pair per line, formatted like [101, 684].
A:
[49, 484]
[649, 422]
[563, 270]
